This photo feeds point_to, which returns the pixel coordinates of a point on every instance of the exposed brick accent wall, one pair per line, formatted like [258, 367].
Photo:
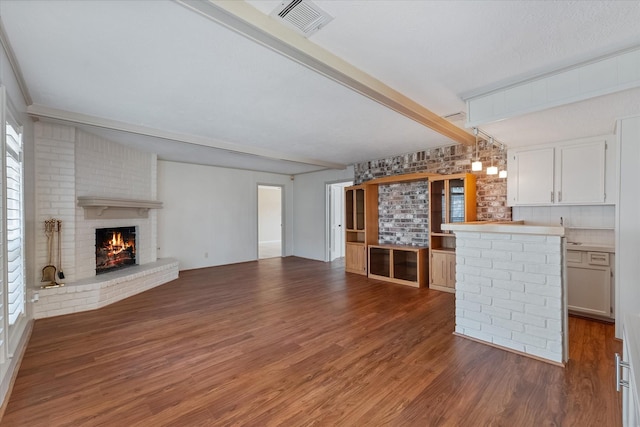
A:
[509, 291]
[403, 214]
[491, 190]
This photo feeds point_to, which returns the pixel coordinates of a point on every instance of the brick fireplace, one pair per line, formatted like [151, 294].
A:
[72, 165]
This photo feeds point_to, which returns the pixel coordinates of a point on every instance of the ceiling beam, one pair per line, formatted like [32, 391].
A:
[246, 20]
[84, 119]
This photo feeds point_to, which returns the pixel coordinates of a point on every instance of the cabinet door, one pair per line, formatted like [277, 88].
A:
[530, 179]
[355, 259]
[439, 268]
[589, 290]
[581, 173]
[451, 270]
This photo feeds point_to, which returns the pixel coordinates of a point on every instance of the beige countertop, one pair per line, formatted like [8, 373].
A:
[590, 247]
[508, 227]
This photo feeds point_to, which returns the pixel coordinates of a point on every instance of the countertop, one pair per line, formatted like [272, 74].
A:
[590, 247]
[510, 227]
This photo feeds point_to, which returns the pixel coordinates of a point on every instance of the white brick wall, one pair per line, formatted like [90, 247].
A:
[105, 289]
[55, 191]
[509, 292]
[72, 163]
[108, 169]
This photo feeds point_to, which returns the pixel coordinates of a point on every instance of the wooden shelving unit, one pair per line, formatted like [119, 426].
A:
[361, 218]
[452, 198]
[406, 265]
[361, 205]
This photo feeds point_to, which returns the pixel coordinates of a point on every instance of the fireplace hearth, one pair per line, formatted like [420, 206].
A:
[115, 248]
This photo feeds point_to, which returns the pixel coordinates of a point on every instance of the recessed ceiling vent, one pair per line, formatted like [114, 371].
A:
[302, 15]
[456, 117]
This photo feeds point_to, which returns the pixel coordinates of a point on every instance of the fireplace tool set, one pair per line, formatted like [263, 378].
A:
[52, 226]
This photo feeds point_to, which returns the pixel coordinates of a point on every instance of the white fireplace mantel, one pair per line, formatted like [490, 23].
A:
[113, 208]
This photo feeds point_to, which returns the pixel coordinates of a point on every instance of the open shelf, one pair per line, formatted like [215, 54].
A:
[406, 265]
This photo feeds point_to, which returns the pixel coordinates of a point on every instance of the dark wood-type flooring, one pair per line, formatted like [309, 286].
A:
[294, 342]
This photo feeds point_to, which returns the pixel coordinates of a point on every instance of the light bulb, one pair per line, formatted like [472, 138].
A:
[502, 174]
[492, 170]
[476, 166]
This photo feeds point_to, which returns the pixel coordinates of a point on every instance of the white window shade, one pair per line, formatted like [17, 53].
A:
[14, 222]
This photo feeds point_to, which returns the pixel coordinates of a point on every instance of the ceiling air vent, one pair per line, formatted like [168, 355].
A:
[302, 15]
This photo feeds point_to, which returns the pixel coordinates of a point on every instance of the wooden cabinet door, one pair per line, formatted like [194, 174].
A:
[451, 271]
[439, 268]
[355, 259]
[581, 173]
[531, 177]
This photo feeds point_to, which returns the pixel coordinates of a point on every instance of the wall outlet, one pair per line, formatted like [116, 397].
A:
[206, 254]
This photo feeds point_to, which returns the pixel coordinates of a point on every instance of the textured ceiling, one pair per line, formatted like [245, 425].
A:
[159, 65]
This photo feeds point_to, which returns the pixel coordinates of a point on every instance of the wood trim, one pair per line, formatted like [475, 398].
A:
[408, 177]
[255, 25]
[371, 214]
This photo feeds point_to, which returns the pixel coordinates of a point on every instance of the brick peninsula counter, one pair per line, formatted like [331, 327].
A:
[511, 287]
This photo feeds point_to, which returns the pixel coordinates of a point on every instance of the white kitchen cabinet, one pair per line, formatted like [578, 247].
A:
[590, 283]
[530, 180]
[580, 172]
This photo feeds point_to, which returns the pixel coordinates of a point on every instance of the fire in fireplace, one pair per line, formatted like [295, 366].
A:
[115, 248]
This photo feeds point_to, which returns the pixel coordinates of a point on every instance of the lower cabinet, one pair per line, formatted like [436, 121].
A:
[406, 265]
[443, 270]
[589, 284]
[355, 258]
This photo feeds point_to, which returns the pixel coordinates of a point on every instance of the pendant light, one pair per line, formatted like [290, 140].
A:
[503, 172]
[492, 170]
[476, 166]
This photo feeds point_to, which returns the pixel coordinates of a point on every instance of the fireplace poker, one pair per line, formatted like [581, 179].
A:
[60, 273]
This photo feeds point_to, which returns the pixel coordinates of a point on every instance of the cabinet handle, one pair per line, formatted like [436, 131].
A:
[559, 196]
[619, 365]
[552, 197]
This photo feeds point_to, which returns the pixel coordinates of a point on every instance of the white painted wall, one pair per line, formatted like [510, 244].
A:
[210, 214]
[310, 210]
[628, 226]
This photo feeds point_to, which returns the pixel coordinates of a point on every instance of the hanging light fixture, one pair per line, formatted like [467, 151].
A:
[492, 170]
[476, 166]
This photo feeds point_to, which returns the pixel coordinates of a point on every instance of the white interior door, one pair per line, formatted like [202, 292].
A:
[336, 220]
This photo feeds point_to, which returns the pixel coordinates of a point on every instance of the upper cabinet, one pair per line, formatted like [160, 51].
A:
[569, 173]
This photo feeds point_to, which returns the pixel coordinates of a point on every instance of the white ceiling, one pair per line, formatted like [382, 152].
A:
[160, 66]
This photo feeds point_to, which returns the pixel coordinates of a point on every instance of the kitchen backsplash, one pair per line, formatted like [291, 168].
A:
[584, 224]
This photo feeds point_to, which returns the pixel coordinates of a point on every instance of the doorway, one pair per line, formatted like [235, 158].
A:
[269, 221]
[335, 215]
